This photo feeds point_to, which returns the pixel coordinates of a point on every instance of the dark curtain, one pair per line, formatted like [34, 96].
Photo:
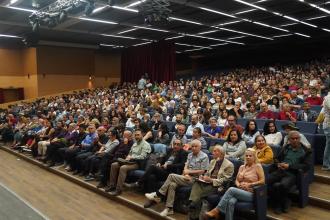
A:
[20, 93]
[156, 59]
[2, 96]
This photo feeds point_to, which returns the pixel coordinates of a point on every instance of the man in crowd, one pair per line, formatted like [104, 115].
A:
[265, 113]
[292, 157]
[196, 165]
[194, 124]
[231, 125]
[119, 170]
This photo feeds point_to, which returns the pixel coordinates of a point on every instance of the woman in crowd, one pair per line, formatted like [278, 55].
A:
[185, 116]
[272, 136]
[275, 104]
[263, 151]
[250, 132]
[222, 120]
[249, 175]
[162, 139]
[234, 146]
[252, 112]
[230, 103]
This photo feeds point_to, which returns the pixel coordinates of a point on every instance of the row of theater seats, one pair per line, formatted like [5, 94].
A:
[299, 192]
[309, 129]
[304, 127]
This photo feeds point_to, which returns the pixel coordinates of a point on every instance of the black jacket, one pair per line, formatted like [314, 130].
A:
[178, 163]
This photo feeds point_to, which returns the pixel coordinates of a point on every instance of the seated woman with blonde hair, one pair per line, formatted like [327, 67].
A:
[263, 151]
[250, 174]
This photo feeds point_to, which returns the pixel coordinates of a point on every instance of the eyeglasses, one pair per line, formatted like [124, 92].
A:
[176, 143]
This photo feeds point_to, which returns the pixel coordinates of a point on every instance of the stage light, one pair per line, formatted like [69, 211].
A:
[31, 39]
[63, 16]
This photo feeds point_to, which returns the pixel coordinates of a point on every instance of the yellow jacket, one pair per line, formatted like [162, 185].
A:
[265, 155]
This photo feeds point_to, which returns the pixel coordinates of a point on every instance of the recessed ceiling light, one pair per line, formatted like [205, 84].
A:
[117, 36]
[304, 35]
[9, 36]
[135, 45]
[97, 20]
[251, 5]
[129, 30]
[175, 37]
[22, 9]
[135, 3]
[125, 9]
[149, 28]
[217, 12]
[282, 35]
[185, 20]
[191, 45]
[245, 11]
[318, 17]
[208, 32]
[196, 49]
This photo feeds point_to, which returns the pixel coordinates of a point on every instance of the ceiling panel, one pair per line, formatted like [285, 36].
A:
[15, 22]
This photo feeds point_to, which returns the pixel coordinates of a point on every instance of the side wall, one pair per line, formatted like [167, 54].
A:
[18, 70]
[48, 70]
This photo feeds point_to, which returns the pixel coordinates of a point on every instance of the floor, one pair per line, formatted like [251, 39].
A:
[56, 197]
[26, 180]
[12, 207]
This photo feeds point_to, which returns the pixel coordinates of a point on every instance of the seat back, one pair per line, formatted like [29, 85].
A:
[307, 127]
[170, 125]
[242, 121]
[261, 123]
[316, 108]
[280, 123]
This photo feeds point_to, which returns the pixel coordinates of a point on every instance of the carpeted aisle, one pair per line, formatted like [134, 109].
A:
[14, 208]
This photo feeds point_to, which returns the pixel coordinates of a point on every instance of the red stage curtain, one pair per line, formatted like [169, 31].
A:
[156, 59]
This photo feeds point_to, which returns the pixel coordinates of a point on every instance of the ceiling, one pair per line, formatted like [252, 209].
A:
[196, 26]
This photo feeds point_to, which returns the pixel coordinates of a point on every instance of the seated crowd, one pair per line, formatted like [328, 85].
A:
[165, 129]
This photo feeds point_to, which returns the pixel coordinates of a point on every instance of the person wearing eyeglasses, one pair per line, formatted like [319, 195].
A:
[218, 174]
[231, 126]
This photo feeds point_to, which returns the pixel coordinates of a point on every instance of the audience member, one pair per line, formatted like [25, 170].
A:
[249, 175]
[196, 165]
[292, 157]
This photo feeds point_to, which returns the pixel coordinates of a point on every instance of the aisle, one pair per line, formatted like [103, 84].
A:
[13, 207]
[57, 197]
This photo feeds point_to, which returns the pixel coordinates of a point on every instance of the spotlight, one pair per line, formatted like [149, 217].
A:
[155, 12]
[63, 16]
[112, 2]
[35, 26]
[58, 11]
[31, 39]
[90, 6]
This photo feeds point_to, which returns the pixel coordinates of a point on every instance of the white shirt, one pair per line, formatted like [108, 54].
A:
[191, 128]
[326, 111]
[274, 139]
